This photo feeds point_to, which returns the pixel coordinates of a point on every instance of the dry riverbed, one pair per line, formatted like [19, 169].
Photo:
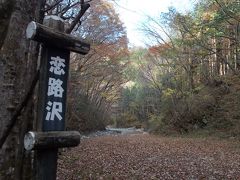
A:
[143, 156]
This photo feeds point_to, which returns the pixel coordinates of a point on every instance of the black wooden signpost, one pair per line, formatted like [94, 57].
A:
[54, 68]
[54, 81]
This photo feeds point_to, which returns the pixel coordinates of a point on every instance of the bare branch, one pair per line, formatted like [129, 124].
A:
[84, 8]
[52, 6]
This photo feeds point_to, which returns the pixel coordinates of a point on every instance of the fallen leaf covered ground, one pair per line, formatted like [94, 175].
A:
[142, 156]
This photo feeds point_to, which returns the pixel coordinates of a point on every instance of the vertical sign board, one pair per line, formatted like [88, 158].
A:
[56, 76]
[52, 101]
[52, 87]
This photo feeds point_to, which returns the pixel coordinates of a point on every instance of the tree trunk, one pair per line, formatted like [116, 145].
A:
[6, 9]
[218, 57]
[237, 47]
[18, 60]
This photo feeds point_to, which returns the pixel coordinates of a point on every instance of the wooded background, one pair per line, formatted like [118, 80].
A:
[185, 81]
[188, 82]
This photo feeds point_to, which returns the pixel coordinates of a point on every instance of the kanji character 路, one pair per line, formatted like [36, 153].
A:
[55, 87]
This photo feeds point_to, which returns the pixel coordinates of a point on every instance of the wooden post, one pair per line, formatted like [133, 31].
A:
[50, 36]
[51, 99]
[51, 139]
[54, 68]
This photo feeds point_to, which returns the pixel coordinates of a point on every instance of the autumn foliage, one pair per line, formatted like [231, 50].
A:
[184, 80]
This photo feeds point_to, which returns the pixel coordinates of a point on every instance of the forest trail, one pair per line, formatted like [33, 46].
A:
[144, 156]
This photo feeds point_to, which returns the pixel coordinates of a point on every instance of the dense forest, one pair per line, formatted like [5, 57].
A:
[188, 81]
[184, 81]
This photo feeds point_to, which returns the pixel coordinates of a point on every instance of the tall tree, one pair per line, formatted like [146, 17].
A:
[98, 76]
[18, 61]
[18, 68]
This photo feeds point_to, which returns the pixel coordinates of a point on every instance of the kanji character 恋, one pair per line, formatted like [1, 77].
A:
[57, 65]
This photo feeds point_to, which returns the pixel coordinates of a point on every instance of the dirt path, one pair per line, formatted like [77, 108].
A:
[149, 157]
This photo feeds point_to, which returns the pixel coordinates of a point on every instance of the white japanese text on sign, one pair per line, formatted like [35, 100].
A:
[55, 89]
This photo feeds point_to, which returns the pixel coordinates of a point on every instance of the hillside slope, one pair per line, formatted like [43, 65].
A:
[226, 114]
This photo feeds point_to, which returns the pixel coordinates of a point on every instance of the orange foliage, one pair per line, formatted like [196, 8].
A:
[158, 49]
